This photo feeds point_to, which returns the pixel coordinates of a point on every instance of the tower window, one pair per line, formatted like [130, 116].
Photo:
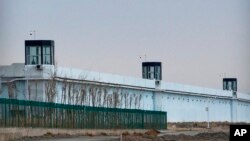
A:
[151, 70]
[46, 55]
[39, 52]
[230, 84]
[33, 55]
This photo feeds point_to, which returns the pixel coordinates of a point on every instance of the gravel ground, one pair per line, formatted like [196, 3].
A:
[81, 138]
[175, 132]
[217, 136]
[151, 135]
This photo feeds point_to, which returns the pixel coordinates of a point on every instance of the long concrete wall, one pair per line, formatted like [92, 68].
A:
[182, 102]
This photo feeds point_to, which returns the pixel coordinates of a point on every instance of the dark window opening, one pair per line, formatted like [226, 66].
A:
[151, 70]
[230, 84]
[39, 52]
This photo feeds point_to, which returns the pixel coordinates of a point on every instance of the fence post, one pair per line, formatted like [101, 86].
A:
[143, 119]
[18, 114]
[5, 115]
[31, 115]
[8, 122]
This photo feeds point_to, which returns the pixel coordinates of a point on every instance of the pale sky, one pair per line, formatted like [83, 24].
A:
[198, 41]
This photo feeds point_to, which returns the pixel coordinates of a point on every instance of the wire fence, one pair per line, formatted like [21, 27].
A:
[22, 113]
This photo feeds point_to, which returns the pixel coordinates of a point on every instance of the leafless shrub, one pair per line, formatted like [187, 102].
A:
[83, 94]
[105, 93]
[11, 90]
[50, 86]
[130, 101]
[115, 99]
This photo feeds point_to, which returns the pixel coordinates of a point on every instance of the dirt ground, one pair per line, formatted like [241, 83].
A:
[150, 135]
[185, 132]
[204, 136]
[175, 132]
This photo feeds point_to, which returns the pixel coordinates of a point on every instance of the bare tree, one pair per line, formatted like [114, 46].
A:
[69, 93]
[99, 94]
[105, 93]
[140, 97]
[50, 86]
[115, 99]
[11, 90]
[110, 102]
[93, 96]
[126, 100]
[121, 99]
[130, 101]
[83, 94]
[64, 89]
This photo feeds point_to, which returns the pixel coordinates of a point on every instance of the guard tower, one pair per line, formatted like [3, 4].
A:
[39, 52]
[151, 70]
[230, 84]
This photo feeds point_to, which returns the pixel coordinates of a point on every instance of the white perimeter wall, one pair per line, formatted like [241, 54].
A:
[185, 108]
[183, 103]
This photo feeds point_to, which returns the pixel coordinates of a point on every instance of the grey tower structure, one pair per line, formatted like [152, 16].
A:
[152, 70]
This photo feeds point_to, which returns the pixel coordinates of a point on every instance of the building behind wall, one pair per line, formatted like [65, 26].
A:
[40, 80]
